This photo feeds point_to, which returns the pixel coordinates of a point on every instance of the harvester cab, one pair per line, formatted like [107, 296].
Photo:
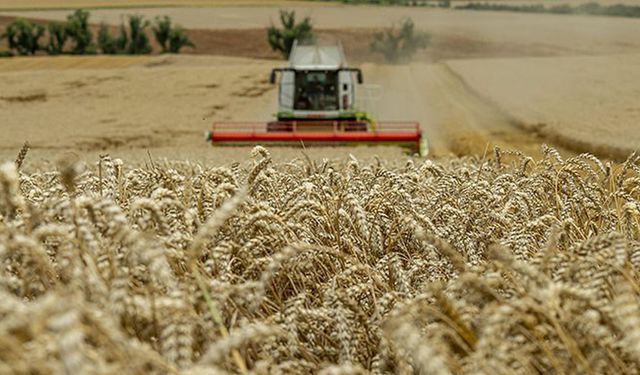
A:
[317, 105]
[316, 87]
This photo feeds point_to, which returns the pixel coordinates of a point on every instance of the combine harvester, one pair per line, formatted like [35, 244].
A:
[317, 106]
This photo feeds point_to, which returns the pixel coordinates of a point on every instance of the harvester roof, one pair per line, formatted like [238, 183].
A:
[312, 57]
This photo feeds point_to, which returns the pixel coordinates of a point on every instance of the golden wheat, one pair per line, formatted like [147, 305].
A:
[462, 266]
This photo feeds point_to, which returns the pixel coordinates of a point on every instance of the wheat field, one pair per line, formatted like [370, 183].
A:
[493, 265]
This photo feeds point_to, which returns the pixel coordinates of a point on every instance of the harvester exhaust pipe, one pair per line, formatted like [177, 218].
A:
[358, 72]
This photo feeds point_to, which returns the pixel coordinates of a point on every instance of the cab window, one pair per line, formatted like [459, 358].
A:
[316, 91]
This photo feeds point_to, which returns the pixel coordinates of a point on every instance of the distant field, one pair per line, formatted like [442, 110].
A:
[549, 2]
[70, 62]
[71, 4]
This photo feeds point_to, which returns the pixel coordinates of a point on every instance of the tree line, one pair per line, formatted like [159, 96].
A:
[591, 8]
[75, 36]
[397, 43]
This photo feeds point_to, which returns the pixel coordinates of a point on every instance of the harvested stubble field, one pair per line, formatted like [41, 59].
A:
[584, 102]
[84, 104]
[127, 105]
[495, 265]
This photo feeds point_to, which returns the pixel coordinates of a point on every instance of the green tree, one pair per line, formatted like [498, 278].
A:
[23, 36]
[170, 38]
[122, 41]
[398, 44]
[79, 32]
[138, 41]
[57, 37]
[282, 39]
[161, 30]
[106, 42]
[178, 40]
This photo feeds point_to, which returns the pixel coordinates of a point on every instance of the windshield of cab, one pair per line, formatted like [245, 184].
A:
[316, 91]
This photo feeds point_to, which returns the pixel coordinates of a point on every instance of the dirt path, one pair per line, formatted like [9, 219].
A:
[455, 119]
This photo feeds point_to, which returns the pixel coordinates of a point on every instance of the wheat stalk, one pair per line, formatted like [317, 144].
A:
[454, 266]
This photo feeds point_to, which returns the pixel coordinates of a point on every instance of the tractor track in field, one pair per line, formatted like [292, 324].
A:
[455, 119]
